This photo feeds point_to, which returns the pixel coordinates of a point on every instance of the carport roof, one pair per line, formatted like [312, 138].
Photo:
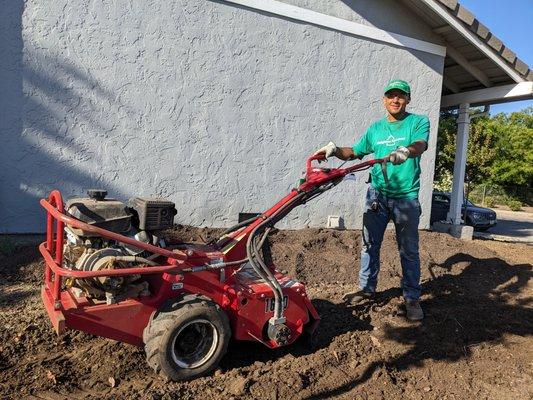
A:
[475, 57]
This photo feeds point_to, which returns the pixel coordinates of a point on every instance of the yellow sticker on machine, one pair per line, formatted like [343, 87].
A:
[232, 244]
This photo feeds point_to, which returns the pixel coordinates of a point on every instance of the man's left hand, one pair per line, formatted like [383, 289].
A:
[399, 155]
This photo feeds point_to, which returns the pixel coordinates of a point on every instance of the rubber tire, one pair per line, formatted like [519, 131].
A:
[159, 332]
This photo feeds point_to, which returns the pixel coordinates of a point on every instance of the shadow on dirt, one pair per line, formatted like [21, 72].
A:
[22, 264]
[14, 296]
[464, 311]
[18, 264]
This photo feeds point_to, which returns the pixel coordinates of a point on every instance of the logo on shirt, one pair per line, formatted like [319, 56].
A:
[391, 141]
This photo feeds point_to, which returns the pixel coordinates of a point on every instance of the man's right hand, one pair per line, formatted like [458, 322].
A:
[328, 150]
[399, 155]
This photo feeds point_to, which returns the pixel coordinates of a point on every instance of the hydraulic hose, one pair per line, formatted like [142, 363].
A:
[253, 246]
[255, 258]
[220, 241]
[259, 269]
[214, 266]
[239, 225]
[278, 305]
[265, 235]
[253, 249]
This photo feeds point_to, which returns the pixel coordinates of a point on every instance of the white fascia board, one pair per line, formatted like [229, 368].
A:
[473, 38]
[493, 95]
[339, 24]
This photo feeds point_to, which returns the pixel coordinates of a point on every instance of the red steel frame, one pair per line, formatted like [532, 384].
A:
[244, 301]
[314, 177]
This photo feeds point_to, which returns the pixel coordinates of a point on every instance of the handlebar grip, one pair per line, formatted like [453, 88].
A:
[319, 157]
[358, 167]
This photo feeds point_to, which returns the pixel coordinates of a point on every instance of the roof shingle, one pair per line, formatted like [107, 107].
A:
[451, 4]
[494, 42]
[479, 29]
[464, 15]
[484, 33]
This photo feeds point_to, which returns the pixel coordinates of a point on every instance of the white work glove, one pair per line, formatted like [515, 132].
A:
[399, 155]
[328, 150]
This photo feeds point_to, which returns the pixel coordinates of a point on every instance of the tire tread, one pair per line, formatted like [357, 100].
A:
[162, 321]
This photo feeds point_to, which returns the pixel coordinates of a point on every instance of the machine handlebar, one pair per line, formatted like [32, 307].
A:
[320, 157]
[321, 175]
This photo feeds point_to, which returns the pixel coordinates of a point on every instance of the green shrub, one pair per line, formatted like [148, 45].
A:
[490, 201]
[443, 183]
[475, 198]
[514, 204]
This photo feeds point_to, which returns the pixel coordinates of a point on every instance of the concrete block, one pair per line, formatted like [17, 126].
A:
[509, 55]
[464, 15]
[335, 222]
[464, 232]
[479, 29]
[495, 43]
[521, 66]
[451, 4]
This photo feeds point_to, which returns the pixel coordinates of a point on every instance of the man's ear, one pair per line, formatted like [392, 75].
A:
[408, 99]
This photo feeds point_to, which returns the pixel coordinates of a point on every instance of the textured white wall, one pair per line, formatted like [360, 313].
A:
[213, 106]
[389, 15]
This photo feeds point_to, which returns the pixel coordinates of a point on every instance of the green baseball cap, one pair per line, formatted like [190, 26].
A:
[398, 84]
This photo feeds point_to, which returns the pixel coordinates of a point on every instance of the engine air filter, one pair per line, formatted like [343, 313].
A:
[153, 213]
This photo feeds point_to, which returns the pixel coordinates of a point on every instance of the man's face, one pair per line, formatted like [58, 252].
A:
[395, 101]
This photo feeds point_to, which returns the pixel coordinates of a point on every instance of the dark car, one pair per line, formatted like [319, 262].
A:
[480, 218]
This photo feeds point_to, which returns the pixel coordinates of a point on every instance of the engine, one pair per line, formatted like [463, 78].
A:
[139, 219]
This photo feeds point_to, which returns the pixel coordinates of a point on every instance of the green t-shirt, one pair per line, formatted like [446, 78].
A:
[381, 138]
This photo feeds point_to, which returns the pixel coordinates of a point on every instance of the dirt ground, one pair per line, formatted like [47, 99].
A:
[475, 342]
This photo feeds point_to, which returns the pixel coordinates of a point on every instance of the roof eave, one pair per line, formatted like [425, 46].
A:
[492, 48]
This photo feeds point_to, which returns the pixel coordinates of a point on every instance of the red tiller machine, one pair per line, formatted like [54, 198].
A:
[108, 273]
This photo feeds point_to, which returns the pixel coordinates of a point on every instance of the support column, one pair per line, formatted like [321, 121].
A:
[459, 167]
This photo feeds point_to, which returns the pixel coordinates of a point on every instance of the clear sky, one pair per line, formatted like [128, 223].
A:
[511, 21]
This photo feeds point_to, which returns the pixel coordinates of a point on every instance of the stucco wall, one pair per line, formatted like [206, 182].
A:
[389, 15]
[213, 106]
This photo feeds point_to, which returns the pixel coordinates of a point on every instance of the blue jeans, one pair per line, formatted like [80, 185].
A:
[405, 213]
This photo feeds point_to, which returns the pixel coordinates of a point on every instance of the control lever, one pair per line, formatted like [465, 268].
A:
[384, 172]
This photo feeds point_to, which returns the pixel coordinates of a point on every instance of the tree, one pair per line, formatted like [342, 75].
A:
[445, 145]
[513, 165]
[482, 146]
[500, 148]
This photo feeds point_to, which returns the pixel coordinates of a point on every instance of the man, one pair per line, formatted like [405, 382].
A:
[402, 137]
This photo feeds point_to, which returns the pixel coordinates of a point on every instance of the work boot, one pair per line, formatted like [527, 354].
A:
[358, 296]
[414, 311]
